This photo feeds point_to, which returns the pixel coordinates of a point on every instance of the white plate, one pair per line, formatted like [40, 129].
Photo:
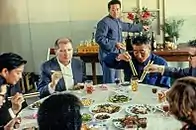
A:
[86, 98]
[94, 107]
[110, 98]
[118, 124]
[149, 108]
[104, 120]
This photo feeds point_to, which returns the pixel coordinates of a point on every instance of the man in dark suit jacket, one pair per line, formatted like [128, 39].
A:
[140, 57]
[61, 72]
[178, 72]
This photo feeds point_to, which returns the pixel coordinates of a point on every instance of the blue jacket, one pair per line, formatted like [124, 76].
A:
[78, 70]
[179, 72]
[152, 78]
[109, 32]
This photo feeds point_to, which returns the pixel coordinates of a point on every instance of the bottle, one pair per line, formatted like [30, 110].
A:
[153, 42]
[128, 42]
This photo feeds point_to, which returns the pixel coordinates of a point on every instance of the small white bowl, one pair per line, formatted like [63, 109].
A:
[102, 114]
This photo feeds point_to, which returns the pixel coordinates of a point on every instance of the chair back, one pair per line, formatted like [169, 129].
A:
[51, 51]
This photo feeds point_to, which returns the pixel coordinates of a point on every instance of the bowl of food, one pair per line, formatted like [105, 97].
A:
[86, 117]
[35, 105]
[102, 116]
[119, 98]
[86, 102]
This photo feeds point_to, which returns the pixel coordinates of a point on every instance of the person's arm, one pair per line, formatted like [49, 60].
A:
[44, 82]
[5, 116]
[165, 81]
[177, 72]
[128, 27]
[101, 37]
[111, 60]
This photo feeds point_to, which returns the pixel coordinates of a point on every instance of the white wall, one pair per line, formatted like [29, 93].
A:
[29, 27]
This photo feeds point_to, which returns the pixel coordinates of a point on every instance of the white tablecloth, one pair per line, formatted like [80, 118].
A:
[144, 95]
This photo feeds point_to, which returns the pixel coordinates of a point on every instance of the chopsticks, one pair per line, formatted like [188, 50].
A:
[28, 95]
[145, 71]
[60, 72]
[133, 68]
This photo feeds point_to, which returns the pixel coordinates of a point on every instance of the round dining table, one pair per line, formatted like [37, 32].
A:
[143, 95]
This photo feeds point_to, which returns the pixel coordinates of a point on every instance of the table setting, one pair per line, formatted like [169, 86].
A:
[116, 107]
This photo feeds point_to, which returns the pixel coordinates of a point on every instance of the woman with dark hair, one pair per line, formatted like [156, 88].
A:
[11, 68]
[182, 101]
[60, 112]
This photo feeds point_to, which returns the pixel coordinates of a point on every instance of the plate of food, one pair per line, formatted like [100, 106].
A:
[102, 116]
[130, 121]
[105, 108]
[35, 105]
[86, 102]
[141, 109]
[119, 98]
[94, 125]
[86, 117]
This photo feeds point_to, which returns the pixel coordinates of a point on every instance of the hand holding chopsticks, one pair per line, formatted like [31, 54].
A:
[145, 71]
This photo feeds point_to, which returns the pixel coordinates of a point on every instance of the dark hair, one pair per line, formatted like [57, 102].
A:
[182, 98]
[192, 43]
[62, 40]
[60, 112]
[113, 2]
[140, 40]
[11, 61]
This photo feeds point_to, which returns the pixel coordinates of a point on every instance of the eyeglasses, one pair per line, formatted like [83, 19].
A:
[191, 56]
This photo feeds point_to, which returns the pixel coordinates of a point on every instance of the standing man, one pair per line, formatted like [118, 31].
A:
[109, 37]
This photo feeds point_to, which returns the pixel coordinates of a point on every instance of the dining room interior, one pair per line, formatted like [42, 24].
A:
[31, 27]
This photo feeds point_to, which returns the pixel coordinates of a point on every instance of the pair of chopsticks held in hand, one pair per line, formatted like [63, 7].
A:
[134, 72]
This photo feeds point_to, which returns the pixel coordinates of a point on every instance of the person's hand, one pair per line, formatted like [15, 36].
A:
[17, 101]
[13, 124]
[146, 28]
[154, 68]
[3, 89]
[120, 46]
[56, 76]
[124, 56]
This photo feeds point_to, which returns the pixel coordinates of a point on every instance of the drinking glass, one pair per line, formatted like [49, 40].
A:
[89, 86]
[134, 84]
[165, 107]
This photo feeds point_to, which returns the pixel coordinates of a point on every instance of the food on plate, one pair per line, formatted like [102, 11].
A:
[87, 101]
[119, 98]
[36, 105]
[78, 87]
[86, 117]
[102, 116]
[131, 121]
[140, 109]
[106, 108]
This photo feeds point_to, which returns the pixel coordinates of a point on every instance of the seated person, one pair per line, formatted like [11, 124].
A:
[60, 112]
[178, 72]
[14, 123]
[140, 56]
[11, 68]
[61, 72]
[182, 101]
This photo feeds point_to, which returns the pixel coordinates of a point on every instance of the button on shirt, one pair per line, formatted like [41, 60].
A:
[67, 75]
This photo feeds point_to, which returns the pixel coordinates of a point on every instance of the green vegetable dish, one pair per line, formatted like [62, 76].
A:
[86, 117]
[119, 99]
